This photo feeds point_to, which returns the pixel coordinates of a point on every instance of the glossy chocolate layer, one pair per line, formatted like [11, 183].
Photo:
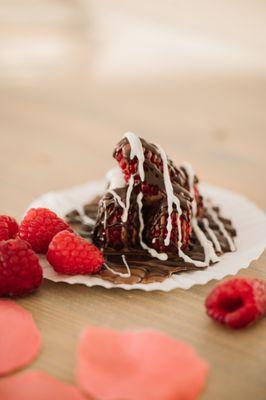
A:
[156, 224]
[143, 267]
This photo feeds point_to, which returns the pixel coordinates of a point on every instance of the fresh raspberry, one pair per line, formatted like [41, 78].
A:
[39, 227]
[70, 254]
[8, 227]
[237, 302]
[4, 233]
[20, 271]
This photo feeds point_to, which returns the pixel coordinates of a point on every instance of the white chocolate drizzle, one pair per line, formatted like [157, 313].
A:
[209, 252]
[171, 198]
[136, 151]
[115, 177]
[191, 178]
[117, 198]
[116, 180]
[129, 192]
[119, 201]
[209, 246]
[86, 220]
[122, 275]
[212, 235]
[153, 252]
[105, 217]
[221, 227]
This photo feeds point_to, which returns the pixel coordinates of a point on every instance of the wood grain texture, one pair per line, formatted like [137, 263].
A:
[54, 138]
[59, 131]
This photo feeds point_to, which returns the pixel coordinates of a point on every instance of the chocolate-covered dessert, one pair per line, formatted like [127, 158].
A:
[151, 221]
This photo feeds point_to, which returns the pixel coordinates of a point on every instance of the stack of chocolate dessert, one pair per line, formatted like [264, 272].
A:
[152, 221]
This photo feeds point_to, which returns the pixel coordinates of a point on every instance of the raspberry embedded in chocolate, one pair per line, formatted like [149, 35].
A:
[156, 230]
[198, 196]
[153, 184]
[133, 217]
[110, 229]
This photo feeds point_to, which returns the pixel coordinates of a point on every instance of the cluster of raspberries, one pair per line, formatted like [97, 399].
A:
[41, 232]
[237, 302]
[112, 231]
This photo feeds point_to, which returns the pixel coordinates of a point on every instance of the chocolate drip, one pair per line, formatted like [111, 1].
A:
[126, 149]
[109, 220]
[155, 225]
[143, 267]
[155, 177]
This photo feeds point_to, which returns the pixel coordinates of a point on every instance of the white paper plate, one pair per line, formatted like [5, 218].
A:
[247, 218]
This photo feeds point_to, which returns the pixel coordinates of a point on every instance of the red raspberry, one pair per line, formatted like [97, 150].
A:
[8, 227]
[237, 302]
[4, 233]
[70, 254]
[39, 227]
[20, 271]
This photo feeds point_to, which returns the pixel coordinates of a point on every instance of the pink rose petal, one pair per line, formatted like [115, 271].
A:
[144, 365]
[37, 385]
[20, 340]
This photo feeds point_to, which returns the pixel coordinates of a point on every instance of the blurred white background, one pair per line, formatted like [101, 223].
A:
[188, 74]
[126, 40]
[76, 74]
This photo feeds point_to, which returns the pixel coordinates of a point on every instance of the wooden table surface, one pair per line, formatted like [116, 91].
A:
[54, 138]
[60, 131]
